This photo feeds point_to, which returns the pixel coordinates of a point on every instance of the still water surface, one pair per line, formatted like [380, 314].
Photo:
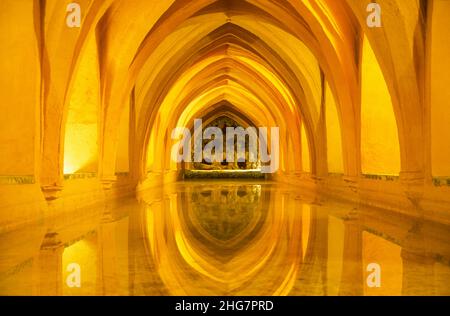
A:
[228, 238]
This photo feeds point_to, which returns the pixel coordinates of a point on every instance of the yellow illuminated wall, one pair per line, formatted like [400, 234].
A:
[380, 151]
[334, 141]
[306, 163]
[440, 91]
[81, 141]
[19, 89]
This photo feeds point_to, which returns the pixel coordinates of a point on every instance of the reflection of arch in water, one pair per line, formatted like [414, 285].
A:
[142, 261]
[265, 266]
[311, 277]
[226, 218]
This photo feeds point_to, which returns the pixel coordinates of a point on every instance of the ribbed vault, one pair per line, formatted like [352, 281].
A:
[362, 113]
[286, 58]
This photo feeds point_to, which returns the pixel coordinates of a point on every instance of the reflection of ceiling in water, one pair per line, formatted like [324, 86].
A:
[298, 247]
[226, 212]
[253, 247]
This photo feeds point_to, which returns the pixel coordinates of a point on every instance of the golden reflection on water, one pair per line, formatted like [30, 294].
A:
[228, 238]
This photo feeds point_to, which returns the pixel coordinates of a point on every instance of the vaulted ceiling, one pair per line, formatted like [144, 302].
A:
[172, 61]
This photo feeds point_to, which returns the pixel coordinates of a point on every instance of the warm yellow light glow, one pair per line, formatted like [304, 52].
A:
[69, 168]
[80, 150]
[380, 151]
[81, 142]
[19, 88]
[357, 117]
[334, 136]
[440, 91]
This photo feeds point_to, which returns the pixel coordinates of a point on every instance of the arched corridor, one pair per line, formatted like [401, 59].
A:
[346, 160]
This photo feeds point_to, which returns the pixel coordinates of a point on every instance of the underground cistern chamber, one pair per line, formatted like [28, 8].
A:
[224, 148]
